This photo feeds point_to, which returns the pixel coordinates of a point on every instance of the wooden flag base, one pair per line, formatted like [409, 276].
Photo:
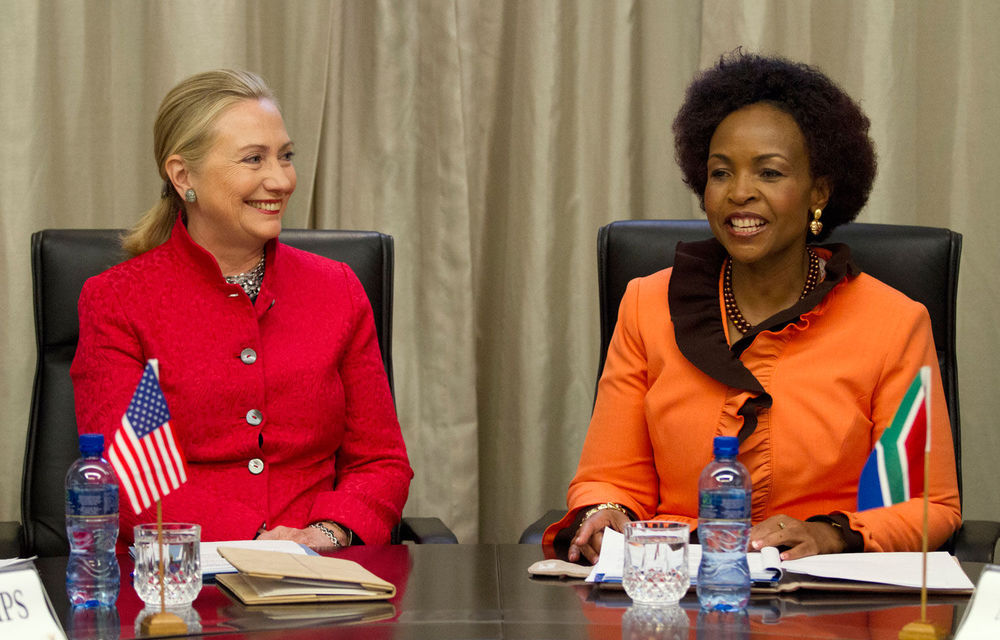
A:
[163, 624]
[921, 631]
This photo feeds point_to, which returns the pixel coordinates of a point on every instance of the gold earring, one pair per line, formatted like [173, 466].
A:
[816, 226]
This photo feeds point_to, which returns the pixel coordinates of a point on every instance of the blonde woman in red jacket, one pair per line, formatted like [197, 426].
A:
[268, 356]
[759, 334]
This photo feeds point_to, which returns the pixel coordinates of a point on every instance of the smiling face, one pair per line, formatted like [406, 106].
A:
[244, 182]
[760, 191]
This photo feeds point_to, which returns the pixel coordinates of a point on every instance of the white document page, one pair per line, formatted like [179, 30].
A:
[611, 563]
[903, 568]
[212, 562]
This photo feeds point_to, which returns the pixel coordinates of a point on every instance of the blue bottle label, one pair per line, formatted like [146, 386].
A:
[96, 501]
[724, 505]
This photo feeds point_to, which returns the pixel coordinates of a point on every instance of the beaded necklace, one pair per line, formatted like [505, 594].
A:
[729, 299]
[251, 280]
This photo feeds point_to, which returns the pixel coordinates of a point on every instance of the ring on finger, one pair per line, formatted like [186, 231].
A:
[781, 525]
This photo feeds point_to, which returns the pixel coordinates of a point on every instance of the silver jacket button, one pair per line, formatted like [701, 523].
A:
[248, 356]
[256, 466]
[254, 417]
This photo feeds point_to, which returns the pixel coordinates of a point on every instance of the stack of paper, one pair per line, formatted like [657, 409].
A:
[213, 563]
[271, 577]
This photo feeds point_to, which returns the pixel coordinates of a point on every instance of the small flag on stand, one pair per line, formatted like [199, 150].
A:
[150, 465]
[897, 470]
[894, 471]
[143, 452]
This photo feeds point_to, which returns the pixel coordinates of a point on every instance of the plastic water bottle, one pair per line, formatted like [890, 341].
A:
[724, 530]
[92, 576]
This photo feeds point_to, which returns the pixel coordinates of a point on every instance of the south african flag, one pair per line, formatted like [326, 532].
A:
[894, 471]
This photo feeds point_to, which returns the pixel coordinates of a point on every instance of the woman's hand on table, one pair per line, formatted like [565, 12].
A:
[800, 538]
[588, 538]
[310, 536]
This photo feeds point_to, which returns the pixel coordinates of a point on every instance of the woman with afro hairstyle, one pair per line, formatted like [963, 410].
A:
[760, 334]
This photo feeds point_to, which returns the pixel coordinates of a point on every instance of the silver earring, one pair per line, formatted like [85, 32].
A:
[190, 195]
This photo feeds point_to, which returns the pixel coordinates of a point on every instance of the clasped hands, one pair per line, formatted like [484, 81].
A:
[310, 536]
[799, 538]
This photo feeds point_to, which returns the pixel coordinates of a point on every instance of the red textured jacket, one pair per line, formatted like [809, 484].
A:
[328, 436]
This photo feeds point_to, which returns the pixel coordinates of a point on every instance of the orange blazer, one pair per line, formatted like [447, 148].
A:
[829, 375]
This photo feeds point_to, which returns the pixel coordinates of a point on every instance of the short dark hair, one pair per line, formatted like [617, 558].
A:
[834, 126]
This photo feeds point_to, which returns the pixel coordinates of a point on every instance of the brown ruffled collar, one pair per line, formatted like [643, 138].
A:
[693, 299]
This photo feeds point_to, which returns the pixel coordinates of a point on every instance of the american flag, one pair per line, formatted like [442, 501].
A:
[143, 452]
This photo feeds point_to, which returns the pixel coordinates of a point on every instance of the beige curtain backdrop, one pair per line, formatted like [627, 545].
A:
[491, 139]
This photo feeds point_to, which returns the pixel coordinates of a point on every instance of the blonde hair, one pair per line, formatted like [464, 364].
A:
[184, 126]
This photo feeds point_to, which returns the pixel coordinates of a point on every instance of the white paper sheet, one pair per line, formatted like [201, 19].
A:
[899, 568]
[212, 562]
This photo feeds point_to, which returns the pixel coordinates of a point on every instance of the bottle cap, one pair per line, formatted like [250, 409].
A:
[727, 446]
[91, 444]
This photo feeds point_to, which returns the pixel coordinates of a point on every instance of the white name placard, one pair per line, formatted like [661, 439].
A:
[982, 618]
[24, 611]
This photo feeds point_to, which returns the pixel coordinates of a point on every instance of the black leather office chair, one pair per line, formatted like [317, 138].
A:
[922, 262]
[61, 260]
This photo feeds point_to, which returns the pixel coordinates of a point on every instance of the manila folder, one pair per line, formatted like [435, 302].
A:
[270, 577]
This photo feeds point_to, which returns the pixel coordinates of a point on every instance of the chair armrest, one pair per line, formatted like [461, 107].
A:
[533, 534]
[10, 539]
[426, 531]
[976, 540]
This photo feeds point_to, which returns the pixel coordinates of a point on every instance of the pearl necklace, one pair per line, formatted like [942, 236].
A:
[251, 280]
[733, 312]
